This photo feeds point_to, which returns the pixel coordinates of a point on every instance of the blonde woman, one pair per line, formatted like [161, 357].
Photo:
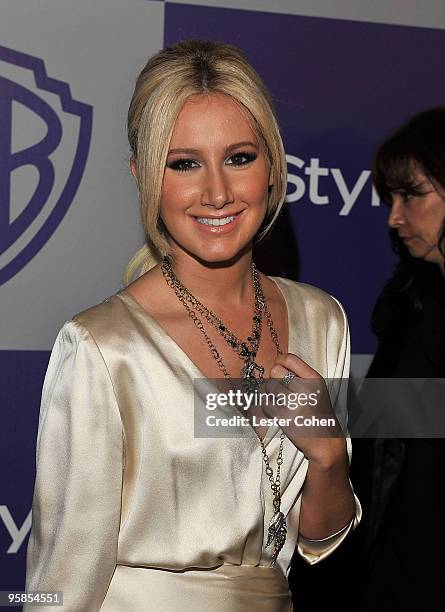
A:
[131, 510]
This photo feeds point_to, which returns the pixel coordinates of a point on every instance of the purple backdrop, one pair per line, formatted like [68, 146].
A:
[339, 88]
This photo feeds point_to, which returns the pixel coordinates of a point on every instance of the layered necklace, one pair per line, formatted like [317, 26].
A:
[251, 373]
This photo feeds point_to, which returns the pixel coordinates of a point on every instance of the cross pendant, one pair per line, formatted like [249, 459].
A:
[250, 381]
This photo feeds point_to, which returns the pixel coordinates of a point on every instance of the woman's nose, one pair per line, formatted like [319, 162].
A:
[217, 189]
[396, 216]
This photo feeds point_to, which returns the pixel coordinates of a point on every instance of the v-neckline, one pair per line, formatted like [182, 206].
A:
[132, 302]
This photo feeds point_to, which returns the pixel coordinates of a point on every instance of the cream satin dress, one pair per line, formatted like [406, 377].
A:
[132, 512]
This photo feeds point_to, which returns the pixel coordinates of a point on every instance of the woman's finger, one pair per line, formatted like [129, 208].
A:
[295, 364]
[278, 371]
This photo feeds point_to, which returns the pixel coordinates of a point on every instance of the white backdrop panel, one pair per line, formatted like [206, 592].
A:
[97, 48]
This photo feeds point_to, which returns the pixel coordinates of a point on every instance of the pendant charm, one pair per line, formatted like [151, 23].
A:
[277, 531]
[250, 381]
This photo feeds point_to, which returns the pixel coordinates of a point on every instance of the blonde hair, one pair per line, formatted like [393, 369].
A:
[168, 79]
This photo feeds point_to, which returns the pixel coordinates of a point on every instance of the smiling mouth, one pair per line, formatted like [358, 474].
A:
[216, 221]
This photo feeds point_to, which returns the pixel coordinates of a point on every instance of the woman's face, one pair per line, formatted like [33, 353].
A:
[215, 186]
[419, 219]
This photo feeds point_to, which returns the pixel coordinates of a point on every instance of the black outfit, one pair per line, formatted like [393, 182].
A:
[402, 539]
[394, 560]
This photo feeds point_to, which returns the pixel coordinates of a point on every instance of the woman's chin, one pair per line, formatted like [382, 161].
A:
[226, 254]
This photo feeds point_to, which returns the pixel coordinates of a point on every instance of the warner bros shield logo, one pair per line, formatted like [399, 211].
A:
[44, 142]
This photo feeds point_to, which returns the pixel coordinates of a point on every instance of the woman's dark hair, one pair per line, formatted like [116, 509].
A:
[419, 145]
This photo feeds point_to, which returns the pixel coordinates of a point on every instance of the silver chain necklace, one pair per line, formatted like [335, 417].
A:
[247, 351]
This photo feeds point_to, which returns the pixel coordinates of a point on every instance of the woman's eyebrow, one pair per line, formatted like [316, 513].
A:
[416, 186]
[244, 143]
[227, 149]
[412, 185]
[422, 183]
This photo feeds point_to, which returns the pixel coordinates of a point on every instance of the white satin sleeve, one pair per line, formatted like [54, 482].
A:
[314, 551]
[79, 461]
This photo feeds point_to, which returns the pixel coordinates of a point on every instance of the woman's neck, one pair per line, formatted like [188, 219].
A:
[229, 283]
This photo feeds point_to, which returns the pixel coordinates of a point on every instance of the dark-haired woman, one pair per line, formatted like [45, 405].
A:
[405, 528]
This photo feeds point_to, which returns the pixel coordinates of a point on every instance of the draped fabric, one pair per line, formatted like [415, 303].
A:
[131, 511]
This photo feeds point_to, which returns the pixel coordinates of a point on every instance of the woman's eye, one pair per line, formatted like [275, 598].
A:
[406, 196]
[241, 159]
[417, 191]
[182, 165]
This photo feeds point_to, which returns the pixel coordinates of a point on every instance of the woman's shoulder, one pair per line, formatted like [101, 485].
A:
[103, 319]
[85, 337]
[309, 299]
